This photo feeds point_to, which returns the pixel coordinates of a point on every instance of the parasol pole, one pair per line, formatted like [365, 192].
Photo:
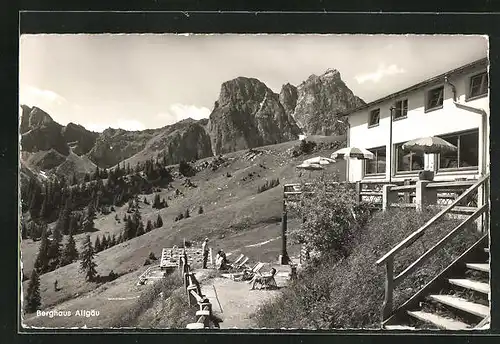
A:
[390, 144]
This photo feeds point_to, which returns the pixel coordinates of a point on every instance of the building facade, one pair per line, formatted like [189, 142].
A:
[453, 106]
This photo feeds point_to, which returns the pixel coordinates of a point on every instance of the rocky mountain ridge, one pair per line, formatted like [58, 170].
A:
[247, 114]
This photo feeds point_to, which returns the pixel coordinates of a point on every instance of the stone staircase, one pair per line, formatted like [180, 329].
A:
[461, 303]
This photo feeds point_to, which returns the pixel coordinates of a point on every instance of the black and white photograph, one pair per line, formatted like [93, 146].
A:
[254, 181]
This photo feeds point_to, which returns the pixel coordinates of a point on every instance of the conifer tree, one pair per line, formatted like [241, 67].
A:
[156, 202]
[70, 253]
[186, 214]
[104, 243]
[87, 264]
[140, 229]
[42, 259]
[200, 210]
[97, 245]
[54, 251]
[120, 238]
[159, 221]
[149, 226]
[113, 240]
[88, 222]
[33, 298]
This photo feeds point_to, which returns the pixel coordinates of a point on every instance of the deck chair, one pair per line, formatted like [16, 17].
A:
[266, 281]
[236, 262]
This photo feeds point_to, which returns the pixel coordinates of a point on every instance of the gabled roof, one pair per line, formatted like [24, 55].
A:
[424, 83]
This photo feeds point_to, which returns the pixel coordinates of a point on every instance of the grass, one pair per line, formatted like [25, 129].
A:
[349, 293]
[234, 217]
[166, 286]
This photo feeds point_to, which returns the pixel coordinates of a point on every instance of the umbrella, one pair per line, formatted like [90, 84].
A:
[310, 167]
[319, 160]
[352, 152]
[429, 145]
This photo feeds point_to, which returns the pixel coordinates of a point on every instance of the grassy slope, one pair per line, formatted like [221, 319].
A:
[235, 215]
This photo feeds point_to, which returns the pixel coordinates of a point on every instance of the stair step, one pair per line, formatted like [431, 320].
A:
[399, 327]
[479, 267]
[463, 305]
[439, 321]
[472, 285]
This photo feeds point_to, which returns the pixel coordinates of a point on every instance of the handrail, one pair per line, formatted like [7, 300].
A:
[448, 237]
[415, 235]
[388, 258]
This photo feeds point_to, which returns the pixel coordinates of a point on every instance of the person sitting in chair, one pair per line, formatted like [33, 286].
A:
[264, 280]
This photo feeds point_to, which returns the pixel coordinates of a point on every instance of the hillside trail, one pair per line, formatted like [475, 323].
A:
[237, 301]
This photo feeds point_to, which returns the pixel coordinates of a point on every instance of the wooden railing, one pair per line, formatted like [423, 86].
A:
[205, 316]
[388, 259]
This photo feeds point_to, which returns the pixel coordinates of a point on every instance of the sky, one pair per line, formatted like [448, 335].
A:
[145, 81]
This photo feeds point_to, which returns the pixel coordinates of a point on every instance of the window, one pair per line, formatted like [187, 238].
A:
[374, 118]
[467, 154]
[478, 85]
[434, 98]
[408, 161]
[377, 165]
[400, 109]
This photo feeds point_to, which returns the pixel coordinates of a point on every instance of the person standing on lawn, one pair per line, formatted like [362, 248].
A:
[204, 247]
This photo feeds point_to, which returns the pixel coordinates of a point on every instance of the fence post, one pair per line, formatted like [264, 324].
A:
[388, 196]
[358, 192]
[407, 197]
[424, 196]
[389, 288]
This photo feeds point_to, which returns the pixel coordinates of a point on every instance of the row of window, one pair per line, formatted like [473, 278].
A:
[478, 86]
[467, 155]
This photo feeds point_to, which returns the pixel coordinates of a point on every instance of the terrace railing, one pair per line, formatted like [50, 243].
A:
[480, 188]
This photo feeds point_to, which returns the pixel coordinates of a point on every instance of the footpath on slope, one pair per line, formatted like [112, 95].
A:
[236, 299]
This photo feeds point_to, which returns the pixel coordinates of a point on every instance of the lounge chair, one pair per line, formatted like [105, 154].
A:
[236, 262]
[265, 281]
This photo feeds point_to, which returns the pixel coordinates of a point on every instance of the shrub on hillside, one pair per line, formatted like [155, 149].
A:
[268, 185]
[305, 147]
[330, 215]
[348, 293]
[186, 169]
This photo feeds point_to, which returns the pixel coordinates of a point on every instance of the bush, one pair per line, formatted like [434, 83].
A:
[200, 210]
[147, 262]
[305, 147]
[152, 256]
[349, 292]
[186, 169]
[330, 216]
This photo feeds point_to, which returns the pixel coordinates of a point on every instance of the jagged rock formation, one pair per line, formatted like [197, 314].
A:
[115, 145]
[184, 140]
[319, 100]
[78, 138]
[248, 114]
[288, 98]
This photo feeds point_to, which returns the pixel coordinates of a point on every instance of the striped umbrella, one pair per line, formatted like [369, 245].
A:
[429, 145]
[352, 152]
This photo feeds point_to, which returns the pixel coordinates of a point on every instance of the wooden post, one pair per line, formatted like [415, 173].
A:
[186, 280]
[482, 199]
[191, 298]
[284, 255]
[389, 288]
[424, 196]
[407, 193]
[358, 192]
[388, 196]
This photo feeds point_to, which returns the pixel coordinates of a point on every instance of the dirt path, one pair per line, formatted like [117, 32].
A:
[238, 302]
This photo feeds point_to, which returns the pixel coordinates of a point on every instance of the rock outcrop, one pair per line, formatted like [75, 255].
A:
[319, 101]
[248, 114]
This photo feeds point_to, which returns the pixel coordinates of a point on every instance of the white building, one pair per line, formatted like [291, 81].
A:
[453, 106]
